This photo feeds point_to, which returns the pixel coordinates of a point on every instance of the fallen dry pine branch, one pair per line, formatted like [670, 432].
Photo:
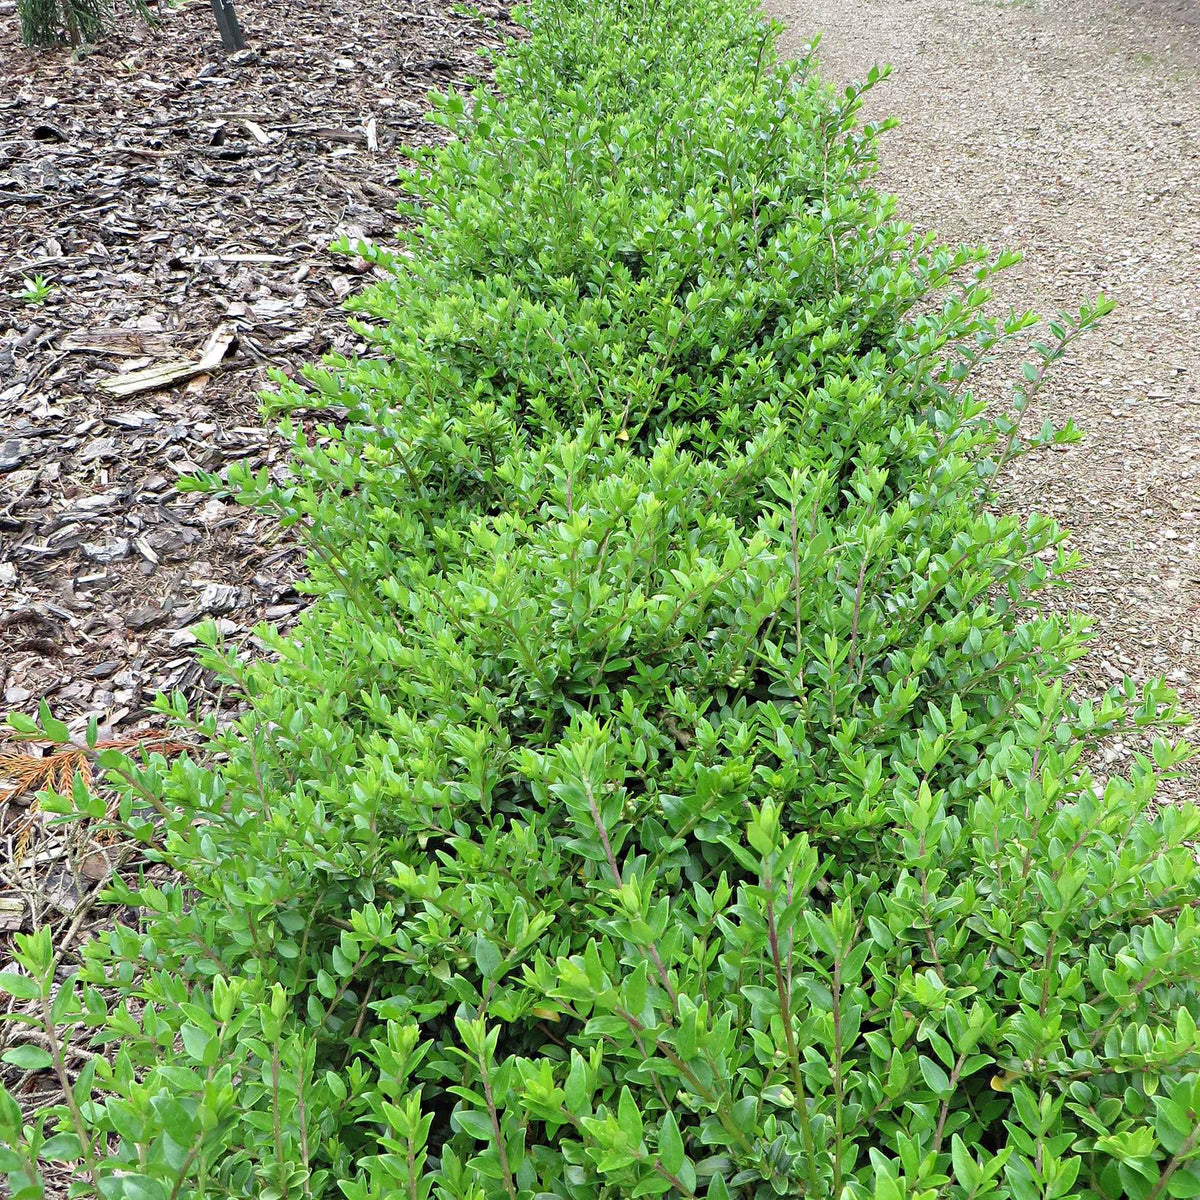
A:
[57, 771]
[162, 375]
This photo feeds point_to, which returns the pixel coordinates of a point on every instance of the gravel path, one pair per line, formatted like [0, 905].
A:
[1071, 131]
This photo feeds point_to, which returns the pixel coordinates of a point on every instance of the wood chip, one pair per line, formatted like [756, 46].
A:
[132, 343]
[257, 132]
[155, 378]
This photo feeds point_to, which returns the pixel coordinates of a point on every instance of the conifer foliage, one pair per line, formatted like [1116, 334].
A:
[52, 22]
[49, 22]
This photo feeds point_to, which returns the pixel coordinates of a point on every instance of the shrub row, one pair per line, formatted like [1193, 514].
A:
[673, 788]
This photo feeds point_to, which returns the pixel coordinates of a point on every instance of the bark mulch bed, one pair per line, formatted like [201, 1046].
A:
[180, 203]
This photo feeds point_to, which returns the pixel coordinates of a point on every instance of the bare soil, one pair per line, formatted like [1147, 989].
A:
[1069, 130]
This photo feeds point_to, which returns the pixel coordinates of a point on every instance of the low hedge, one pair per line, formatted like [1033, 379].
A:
[674, 787]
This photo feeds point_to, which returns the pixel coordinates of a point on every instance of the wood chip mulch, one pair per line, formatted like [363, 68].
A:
[178, 201]
[180, 204]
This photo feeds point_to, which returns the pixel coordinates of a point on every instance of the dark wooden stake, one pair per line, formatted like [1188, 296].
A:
[227, 23]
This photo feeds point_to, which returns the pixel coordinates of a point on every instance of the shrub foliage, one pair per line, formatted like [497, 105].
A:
[673, 789]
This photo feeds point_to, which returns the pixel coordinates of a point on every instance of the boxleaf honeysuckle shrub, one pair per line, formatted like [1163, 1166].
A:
[675, 787]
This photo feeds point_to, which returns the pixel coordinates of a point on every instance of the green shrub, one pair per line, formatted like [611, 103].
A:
[673, 789]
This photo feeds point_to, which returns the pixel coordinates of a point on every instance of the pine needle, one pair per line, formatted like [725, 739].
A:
[56, 772]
